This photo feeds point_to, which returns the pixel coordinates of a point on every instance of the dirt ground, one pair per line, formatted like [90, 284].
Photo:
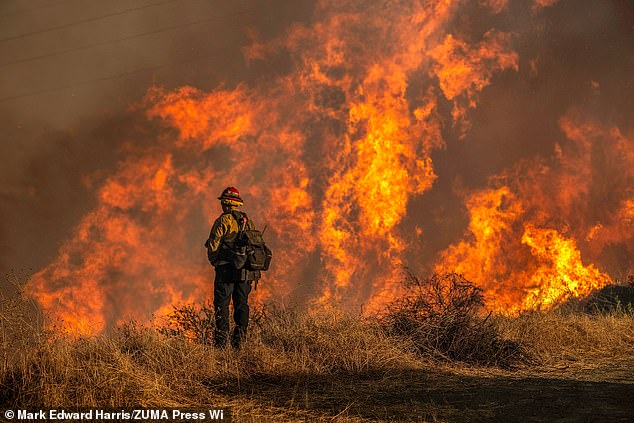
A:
[598, 390]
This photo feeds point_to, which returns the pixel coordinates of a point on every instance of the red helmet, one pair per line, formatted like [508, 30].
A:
[231, 193]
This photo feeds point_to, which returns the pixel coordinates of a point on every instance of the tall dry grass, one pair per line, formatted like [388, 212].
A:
[21, 324]
[138, 365]
[556, 335]
[148, 366]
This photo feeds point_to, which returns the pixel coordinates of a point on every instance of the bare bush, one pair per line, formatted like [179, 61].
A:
[191, 321]
[445, 318]
[611, 299]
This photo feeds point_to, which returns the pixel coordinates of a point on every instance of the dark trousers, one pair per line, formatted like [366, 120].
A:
[227, 287]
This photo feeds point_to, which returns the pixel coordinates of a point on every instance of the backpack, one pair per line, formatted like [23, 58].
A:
[248, 250]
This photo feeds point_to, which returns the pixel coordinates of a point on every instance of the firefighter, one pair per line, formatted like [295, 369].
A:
[229, 281]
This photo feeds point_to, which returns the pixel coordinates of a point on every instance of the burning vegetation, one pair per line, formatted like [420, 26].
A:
[336, 156]
[432, 356]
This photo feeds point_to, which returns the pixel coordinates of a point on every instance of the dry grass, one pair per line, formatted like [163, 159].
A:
[558, 335]
[21, 325]
[295, 366]
[141, 366]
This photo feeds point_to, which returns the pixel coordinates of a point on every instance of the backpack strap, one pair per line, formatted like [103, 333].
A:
[241, 219]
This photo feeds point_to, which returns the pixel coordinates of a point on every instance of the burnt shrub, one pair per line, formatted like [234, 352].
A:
[444, 317]
[194, 322]
[611, 299]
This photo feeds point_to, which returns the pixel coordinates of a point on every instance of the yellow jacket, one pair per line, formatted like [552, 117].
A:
[224, 229]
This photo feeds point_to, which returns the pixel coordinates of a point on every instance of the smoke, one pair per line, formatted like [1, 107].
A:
[574, 57]
[49, 186]
[65, 115]
[493, 137]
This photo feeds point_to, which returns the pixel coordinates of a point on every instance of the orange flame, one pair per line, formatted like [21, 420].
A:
[329, 157]
[504, 221]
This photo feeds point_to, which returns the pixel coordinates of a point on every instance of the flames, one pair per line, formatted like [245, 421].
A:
[464, 71]
[522, 241]
[329, 157]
